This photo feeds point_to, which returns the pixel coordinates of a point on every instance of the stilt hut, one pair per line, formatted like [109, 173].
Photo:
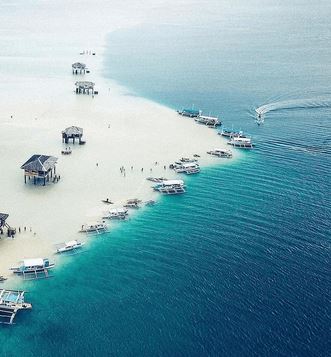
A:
[73, 132]
[84, 87]
[10, 231]
[39, 167]
[78, 68]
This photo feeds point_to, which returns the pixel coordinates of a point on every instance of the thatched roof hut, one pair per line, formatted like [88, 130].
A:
[84, 87]
[39, 166]
[78, 68]
[71, 133]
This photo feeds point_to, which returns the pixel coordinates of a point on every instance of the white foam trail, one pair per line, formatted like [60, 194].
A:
[316, 102]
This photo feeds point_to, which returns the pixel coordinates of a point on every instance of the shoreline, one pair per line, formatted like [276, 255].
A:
[136, 130]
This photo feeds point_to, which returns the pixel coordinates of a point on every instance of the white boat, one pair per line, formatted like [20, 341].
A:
[117, 213]
[208, 120]
[187, 159]
[187, 168]
[30, 268]
[156, 179]
[241, 142]
[220, 153]
[170, 187]
[132, 203]
[97, 227]
[69, 246]
[11, 301]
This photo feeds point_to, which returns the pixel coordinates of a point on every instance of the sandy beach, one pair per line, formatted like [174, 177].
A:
[120, 129]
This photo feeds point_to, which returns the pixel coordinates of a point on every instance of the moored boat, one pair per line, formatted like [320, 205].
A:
[208, 120]
[133, 203]
[98, 227]
[228, 133]
[117, 213]
[32, 267]
[220, 153]
[241, 142]
[192, 113]
[187, 168]
[11, 301]
[69, 246]
[170, 187]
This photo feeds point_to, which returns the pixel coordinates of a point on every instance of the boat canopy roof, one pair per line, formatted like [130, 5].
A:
[172, 182]
[33, 262]
[71, 243]
[189, 164]
[208, 117]
[191, 111]
[118, 210]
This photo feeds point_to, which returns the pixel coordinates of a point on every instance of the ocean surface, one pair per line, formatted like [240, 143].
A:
[240, 264]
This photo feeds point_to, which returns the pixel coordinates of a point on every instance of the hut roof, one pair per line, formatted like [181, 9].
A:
[78, 65]
[3, 217]
[73, 130]
[84, 84]
[39, 163]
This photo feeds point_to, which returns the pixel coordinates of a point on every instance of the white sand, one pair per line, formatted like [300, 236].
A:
[120, 129]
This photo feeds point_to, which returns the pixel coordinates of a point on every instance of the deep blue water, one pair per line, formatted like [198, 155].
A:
[240, 265]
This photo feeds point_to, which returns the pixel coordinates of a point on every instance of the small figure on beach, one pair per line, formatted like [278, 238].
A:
[142, 169]
[97, 164]
[165, 167]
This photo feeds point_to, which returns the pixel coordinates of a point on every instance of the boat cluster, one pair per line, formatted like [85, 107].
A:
[199, 118]
[237, 139]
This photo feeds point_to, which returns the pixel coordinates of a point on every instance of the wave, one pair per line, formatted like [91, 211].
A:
[316, 102]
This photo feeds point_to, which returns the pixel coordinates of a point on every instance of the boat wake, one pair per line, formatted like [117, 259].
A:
[316, 102]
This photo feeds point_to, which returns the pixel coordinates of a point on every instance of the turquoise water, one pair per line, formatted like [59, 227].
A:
[239, 266]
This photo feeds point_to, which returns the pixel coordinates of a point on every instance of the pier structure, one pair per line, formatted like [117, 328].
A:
[3, 224]
[78, 68]
[11, 301]
[73, 133]
[39, 167]
[84, 87]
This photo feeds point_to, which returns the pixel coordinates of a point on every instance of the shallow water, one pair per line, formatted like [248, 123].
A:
[239, 266]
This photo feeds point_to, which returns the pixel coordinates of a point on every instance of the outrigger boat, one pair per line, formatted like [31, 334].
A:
[107, 201]
[150, 203]
[117, 213]
[220, 153]
[241, 142]
[156, 179]
[2, 279]
[228, 133]
[192, 113]
[36, 268]
[70, 246]
[170, 187]
[187, 159]
[133, 203]
[208, 120]
[11, 301]
[187, 168]
[98, 227]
